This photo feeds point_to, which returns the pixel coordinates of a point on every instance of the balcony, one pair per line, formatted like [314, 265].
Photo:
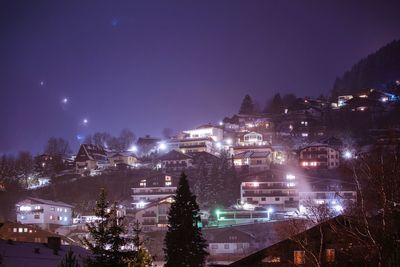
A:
[149, 214]
[149, 223]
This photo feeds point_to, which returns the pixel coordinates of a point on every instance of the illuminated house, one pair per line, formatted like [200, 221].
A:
[91, 159]
[252, 139]
[175, 161]
[256, 161]
[154, 216]
[300, 250]
[44, 213]
[27, 233]
[280, 194]
[148, 190]
[320, 156]
[230, 241]
[125, 158]
[204, 144]
[206, 131]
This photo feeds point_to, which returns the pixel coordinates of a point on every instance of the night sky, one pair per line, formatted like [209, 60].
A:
[147, 65]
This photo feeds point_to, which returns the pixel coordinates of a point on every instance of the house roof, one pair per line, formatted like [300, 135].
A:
[6, 232]
[16, 254]
[46, 202]
[251, 154]
[174, 155]
[91, 152]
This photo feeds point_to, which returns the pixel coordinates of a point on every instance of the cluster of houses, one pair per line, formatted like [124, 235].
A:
[285, 162]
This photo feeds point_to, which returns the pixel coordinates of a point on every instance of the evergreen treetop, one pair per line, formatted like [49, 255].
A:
[184, 243]
[247, 106]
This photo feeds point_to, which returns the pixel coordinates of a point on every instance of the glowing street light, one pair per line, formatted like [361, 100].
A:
[162, 146]
[133, 149]
[228, 141]
[65, 100]
[219, 145]
[269, 211]
[85, 121]
[347, 154]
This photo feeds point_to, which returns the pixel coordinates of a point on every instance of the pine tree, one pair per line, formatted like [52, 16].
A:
[107, 237]
[184, 243]
[69, 260]
[247, 106]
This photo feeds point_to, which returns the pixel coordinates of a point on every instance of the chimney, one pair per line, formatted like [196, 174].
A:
[54, 242]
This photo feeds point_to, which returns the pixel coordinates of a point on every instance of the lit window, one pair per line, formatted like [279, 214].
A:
[20, 230]
[299, 257]
[168, 183]
[15, 230]
[51, 217]
[167, 178]
[143, 183]
[330, 255]
[25, 230]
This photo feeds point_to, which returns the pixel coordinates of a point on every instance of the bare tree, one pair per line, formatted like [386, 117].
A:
[377, 213]
[57, 147]
[316, 215]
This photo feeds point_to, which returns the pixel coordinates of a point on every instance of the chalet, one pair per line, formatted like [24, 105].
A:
[123, 158]
[91, 159]
[150, 189]
[154, 216]
[230, 241]
[47, 254]
[255, 161]
[252, 139]
[201, 144]
[319, 156]
[175, 161]
[337, 249]
[27, 233]
[46, 214]
[147, 144]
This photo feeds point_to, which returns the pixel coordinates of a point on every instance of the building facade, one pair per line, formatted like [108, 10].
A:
[44, 213]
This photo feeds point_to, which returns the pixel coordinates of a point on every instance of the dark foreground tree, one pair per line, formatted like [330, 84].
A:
[69, 260]
[184, 243]
[107, 239]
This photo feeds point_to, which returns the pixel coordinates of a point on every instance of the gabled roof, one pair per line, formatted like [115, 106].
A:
[17, 254]
[174, 155]
[91, 152]
[123, 154]
[46, 202]
[251, 154]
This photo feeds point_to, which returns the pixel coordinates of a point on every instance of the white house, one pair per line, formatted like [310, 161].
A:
[278, 194]
[256, 161]
[230, 241]
[126, 158]
[206, 131]
[44, 213]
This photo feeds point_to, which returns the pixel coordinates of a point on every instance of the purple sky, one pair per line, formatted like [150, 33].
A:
[146, 65]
